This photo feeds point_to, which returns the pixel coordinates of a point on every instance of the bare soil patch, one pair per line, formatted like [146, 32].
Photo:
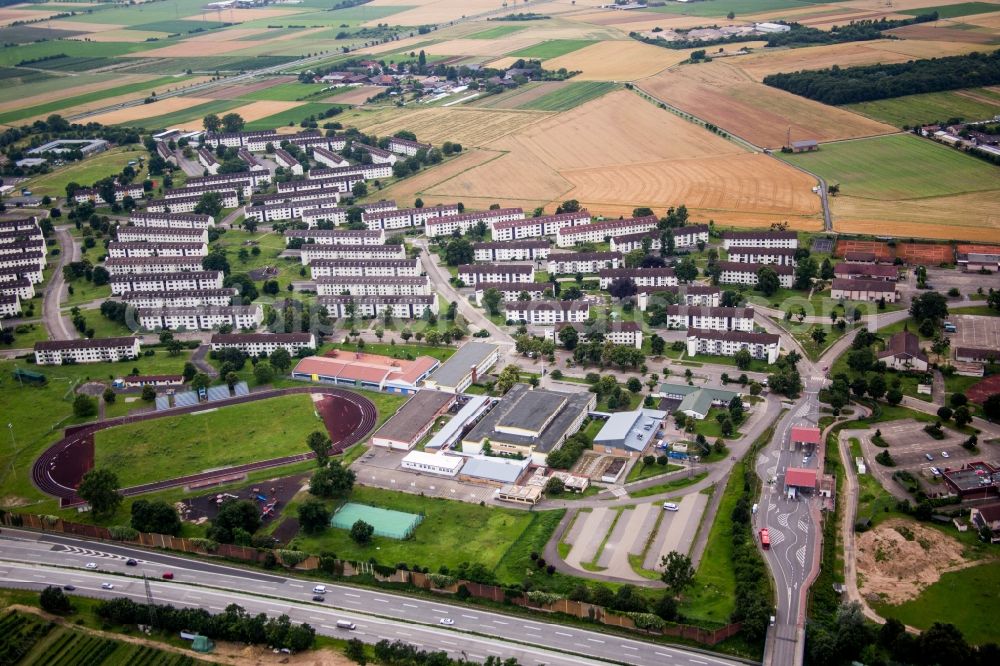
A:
[974, 216]
[940, 32]
[899, 558]
[482, 47]
[621, 60]
[356, 96]
[157, 108]
[263, 109]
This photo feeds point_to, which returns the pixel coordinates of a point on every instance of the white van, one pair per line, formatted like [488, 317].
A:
[319, 589]
[346, 624]
[669, 506]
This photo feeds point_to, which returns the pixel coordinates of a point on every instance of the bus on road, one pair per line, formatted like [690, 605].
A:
[765, 539]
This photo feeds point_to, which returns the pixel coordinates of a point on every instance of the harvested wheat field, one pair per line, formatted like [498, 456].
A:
[238, 90]
[646, 156]
[480, 47]
[629, 21]
[432, 11]
[722, 94]
[519, 96]
[189, 49]
[899, 558]
[242, 15]
[158, 108]
[470, 127]
[622, 60]
[74, 91]
[974, 216]
[419, 185]
[941, 32]
[263, 109]
[984, 20]
[356, 95]
[120, 36]
[8, 16]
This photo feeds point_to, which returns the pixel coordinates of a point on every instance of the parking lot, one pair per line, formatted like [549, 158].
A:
[380, 468]
[909, 447]
[975, 331]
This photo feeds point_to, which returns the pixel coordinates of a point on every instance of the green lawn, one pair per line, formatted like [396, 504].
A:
[497, 31]
[720, 8]
[451, 532]
[296, 115]
[84, 292]
[898, 166]
[552, 48]
[711, 428]
[970, 595]
[928, 108]
[713, 594]
[26, 335]
[146, 87]
[873, 499]
[86, 172]
[570, 95]
[953, 11]
[983, 310]
[190, 443]
[669, 485]
[642, 471]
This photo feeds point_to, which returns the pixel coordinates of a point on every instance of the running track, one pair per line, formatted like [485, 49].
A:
[77, 439]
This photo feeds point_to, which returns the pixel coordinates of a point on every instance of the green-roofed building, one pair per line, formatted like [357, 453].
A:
[696, 401]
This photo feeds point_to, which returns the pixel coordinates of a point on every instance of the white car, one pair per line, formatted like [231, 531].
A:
[944, 454]
[107, 586]
[319, 589]
[91, 565]
[446, 621]
[669, 506]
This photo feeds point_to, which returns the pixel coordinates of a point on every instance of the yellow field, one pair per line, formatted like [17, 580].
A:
[119, 36]
[470, 127]
[643, 156]
[72, 91]
[434, 11]
[356, 96]
[722, 94]
[974, 216]
[158, 108]
[8, 16]
[623, 60]
[485, 47]
[241, 15]
[263, 109]
[984, 20]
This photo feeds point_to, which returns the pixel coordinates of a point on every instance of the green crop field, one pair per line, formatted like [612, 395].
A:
[288, 92]
[181, 26]
[898, 166]
[85, 172]
[135, 15]
[11, 56]
[296, 115]
[954, 11]
[968, 594]
[198, 111]
[178, 445]
[497, 31]
[930, 108]
[160, 84]
[571, 95]
[551, 49]
[451, 532]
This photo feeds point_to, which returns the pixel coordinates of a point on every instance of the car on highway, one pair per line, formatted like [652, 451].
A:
[319, 589]
[107, 586]
[131, 562]
[447, 621]
[91, 565]
[167, 575]
[944, 454]
[319, 597]
[69, 588]
[346, 624]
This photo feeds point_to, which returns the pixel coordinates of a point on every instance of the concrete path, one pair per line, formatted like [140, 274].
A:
[678, 533]
[628, 537]
[591, 535]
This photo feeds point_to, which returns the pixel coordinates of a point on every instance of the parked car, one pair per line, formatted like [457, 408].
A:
[944, 454]
[669, 506]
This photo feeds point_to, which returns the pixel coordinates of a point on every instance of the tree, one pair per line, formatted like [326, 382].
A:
[458, 252]
[211, 122]
[945, 413]
[280, 360]
[491, 300]
[991, 407]
[332, 482]
[818, 335]
[263, 373]
[633, 385]
[657, 345]
[201, 381]
[622, 287]
[84, 406]
[100, 276]
[826, 270]
[767, 281]
[355, 651]
[319, 444]
[109, 396]
[210, 203]
[148, 393]
[894, 396]
[962, 416]
[313, 516]
[155, 516]
[569, 337]
[99, 487]
[929, 305]
[359, 189]
[686, 270]
[54, 600]
[678, 572]
[235, 518]
[743, 359]
[233, 122]
[555, 486]
[805, 272]
[231, 379]
[361, 532]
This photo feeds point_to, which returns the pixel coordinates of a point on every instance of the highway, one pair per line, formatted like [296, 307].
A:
[29, 559]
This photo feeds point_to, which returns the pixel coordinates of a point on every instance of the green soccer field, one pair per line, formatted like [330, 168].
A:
[86, 172]
[898, 166]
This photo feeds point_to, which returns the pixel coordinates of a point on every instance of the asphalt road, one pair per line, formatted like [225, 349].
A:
[57, 325]
[58, 559]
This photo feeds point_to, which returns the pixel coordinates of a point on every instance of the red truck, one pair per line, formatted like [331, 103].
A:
[765, 539]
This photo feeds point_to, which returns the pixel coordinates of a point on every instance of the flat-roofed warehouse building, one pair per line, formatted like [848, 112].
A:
[366, 371]
[463, 369]
[630, 432]
[530, 422]
[413, 420]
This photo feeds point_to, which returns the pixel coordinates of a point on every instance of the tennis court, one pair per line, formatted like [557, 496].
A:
[928, 254]
[392, 524]
[881, 250]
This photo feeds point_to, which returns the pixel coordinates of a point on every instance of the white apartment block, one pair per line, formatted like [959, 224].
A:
[293, 208]
[156, 235]
[179, 299]
[710, 318]
[166, 282]
[188, 204]
[446, 226]
[229, 181]
[150, 265]
[373, 286]
[119, 249]
[101, 350]
[690, 294]
[312, 195]
[312, 252]
[379, 156]
[863, 290]
[534, 227]
[763, 346]
[20, 248]
[24, 260]
[207, 159]
[472, 274]
[313, 217]
[251, 160]
[285, 160]
[619, 333]
[329, 158]
[29, 271]
[398, 307]
[12, 284]
[10, 305]
[406, 217]
[20, 224]
[26, 235]
[583, 262]
[684, 238]
[541, 313]
[365, 267]
[642, 277]
[336, 236]
[768, 239]
[511, 291]
[256, 344]
[336, 142]
[253, 140]
[328, 186]
[172, 220]
[736, 273]
[598, 232]
[93, 196]
[366, 171]
[204, 318]
[380, 206]
[784, 256]
[407, 147]
[528, 250]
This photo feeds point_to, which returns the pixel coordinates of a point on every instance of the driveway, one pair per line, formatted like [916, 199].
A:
[58, 326]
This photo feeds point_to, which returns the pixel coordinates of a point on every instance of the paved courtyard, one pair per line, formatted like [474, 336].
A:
[975, 331]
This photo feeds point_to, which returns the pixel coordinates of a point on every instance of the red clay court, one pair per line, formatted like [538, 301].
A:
[880, 249]
[927, 254]
[979, 391]
[976, 248]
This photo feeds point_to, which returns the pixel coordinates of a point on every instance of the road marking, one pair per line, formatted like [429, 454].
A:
[296, 585]
[448, 642]
[562, 633]
[411, 605]
[500, 622]
[664, 654]
[404, 633]
[348, 594]
[315, 619]
[272, 610]
[471, 617]
[595, 640]
[629, 647]
[697, 661]
[327, 626]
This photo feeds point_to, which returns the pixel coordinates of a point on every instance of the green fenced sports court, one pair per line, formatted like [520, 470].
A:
[392, 524]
